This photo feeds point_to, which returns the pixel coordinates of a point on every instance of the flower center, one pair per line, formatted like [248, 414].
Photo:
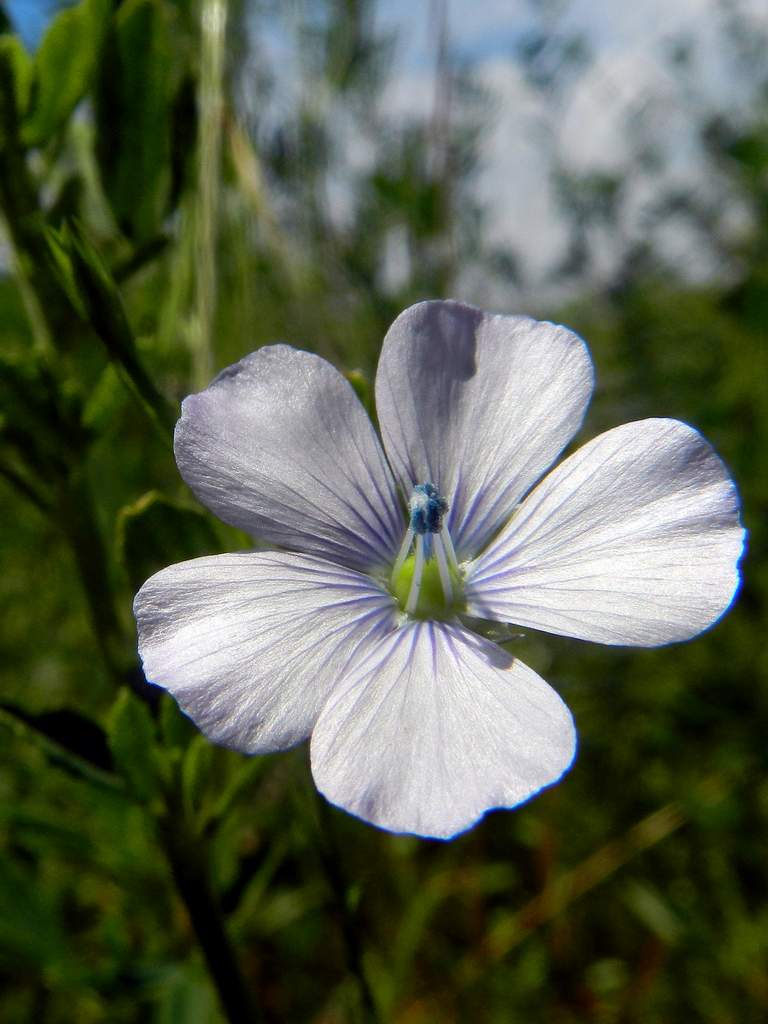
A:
[427, 509]
[427, 582]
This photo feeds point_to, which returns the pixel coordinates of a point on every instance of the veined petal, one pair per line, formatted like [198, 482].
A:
[434, 727]
[480, 406]
[634, 539]
[251, 645]
[280, 446]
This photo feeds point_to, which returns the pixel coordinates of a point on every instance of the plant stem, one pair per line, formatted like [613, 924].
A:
[190, 872]
[20, 204]
[24, 487]
[77, 515]
[213, 27]
[107, 318]
[348, 920]
[185, 849]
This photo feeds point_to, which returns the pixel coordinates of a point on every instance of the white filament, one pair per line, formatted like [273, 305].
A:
[402, 554]
[418, 572]
[442, 565]
[450, 550]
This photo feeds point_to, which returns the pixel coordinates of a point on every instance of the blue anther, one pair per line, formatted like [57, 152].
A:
[427, 509]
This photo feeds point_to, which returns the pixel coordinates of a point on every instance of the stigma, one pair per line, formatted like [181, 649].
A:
[427, 509]
[414, 574]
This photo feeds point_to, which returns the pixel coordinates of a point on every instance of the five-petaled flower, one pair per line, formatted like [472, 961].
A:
[356, 629]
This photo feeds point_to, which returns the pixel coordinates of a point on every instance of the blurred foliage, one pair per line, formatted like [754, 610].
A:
[137, 862]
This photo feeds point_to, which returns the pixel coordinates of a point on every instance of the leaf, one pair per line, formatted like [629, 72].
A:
[132, 740]
[196, 772]
[30, 933]
[17, 725]
[751, 152]
[243, 777]
[64, 67]
[103, 401]
[176, 729]
[69, 729]
[94, 295]
[33, 425]
[15, 58]
[647, 904]
[59, 246]
[154, 532]
[136, 91]
[185, 996]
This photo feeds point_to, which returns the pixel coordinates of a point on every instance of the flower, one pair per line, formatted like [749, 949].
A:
[356, 630]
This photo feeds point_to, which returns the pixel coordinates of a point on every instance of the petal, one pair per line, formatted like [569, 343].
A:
[435, 727]
[252, 644]
[480, 406]
[634, 539]
[280, 446]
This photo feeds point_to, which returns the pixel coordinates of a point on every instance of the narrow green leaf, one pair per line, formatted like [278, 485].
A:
[244, 776]
[136, 91]
[71, 730]
[64, 67]
[58, 755]
[645, 901]
[132, 740]
[196, 772]
[185, 996]
[91, 289]
[59, 246]
[103, 402]
[33, 423]
[31, 935]
[176, 729]
[154, 532]
[15, 58]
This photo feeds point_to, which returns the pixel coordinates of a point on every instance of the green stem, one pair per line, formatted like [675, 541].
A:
[16, 480]
[106, 316]
[24, 216]
[190, 871]
[213, 26]
[330, 856]
[140, 257]
[77, 516]
[49, 308]
[184, 849]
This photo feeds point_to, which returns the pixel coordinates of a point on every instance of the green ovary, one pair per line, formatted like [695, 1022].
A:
[431, 603]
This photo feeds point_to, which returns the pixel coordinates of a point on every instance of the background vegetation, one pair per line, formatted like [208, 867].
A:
[162, 220]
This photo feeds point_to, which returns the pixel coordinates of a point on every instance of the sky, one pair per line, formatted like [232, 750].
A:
[626, 91]
[627, 80]
[30, 18]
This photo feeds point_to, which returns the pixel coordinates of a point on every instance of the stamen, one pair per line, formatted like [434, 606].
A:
[442, 565]
[402, 554]
[427, 508]
[431, 587]
[418, 572]
[453, 561]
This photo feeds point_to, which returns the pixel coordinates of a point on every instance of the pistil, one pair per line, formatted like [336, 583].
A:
[428, 534]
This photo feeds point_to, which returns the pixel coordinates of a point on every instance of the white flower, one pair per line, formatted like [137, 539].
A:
[355, 633]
